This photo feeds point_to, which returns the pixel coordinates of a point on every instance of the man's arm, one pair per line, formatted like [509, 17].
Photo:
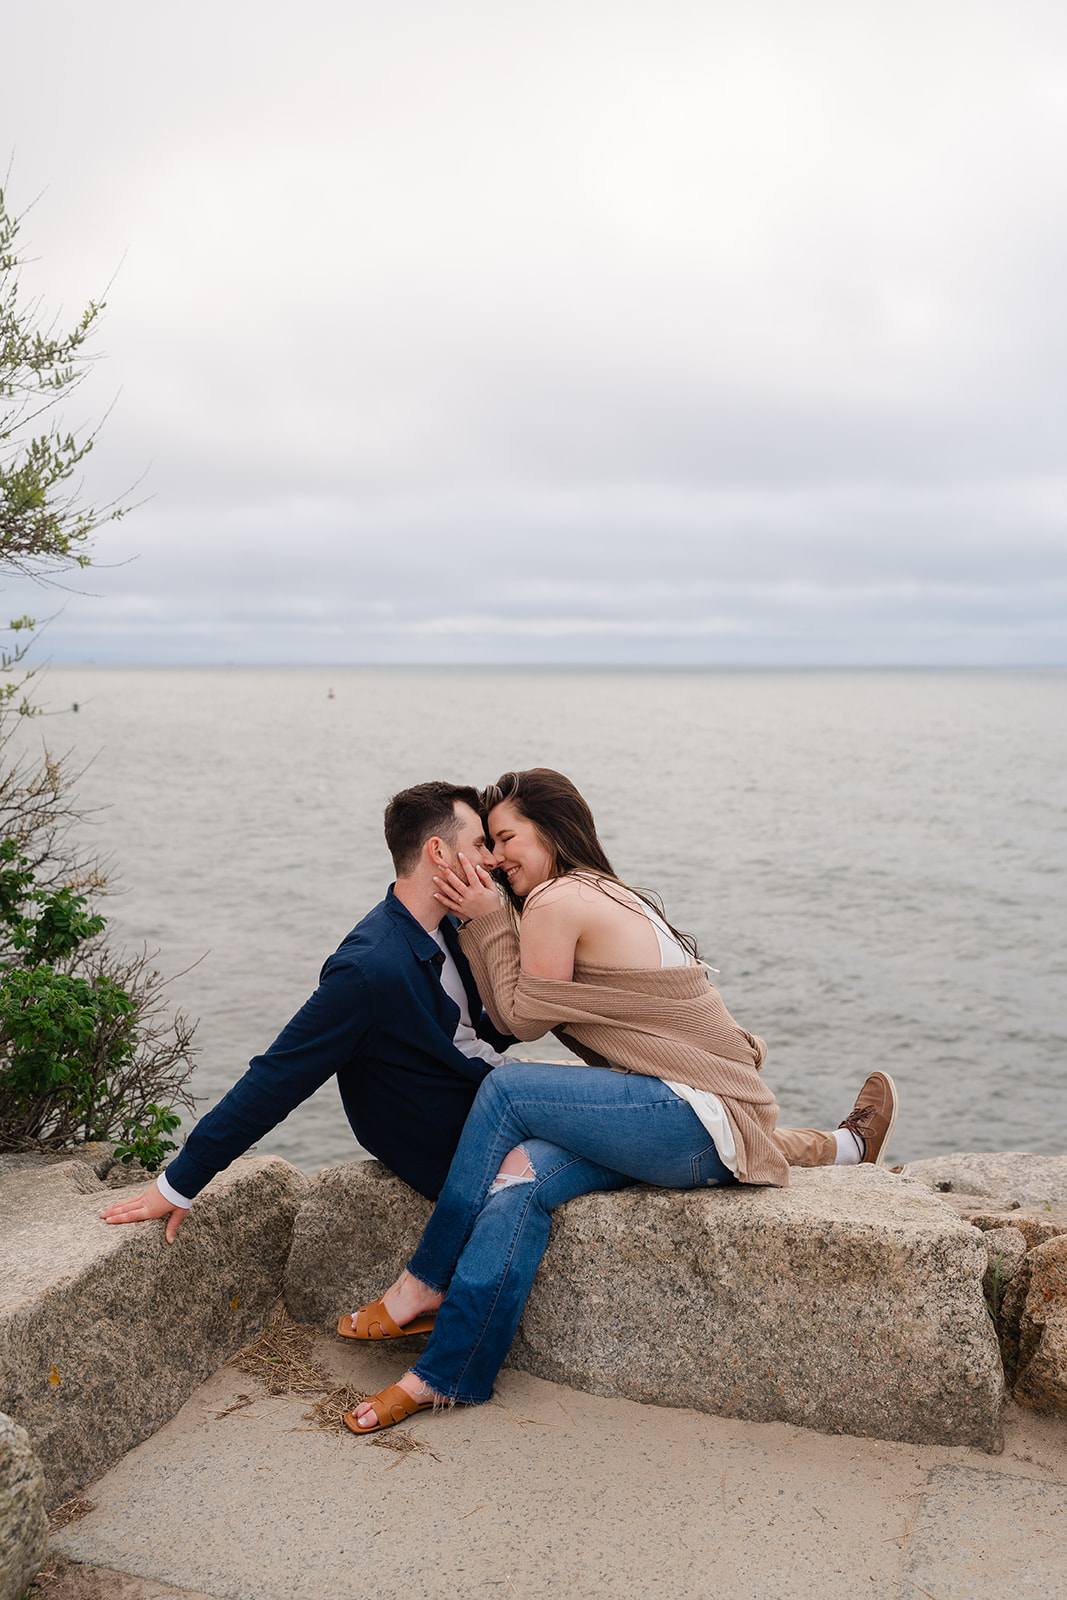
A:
[322, 1037]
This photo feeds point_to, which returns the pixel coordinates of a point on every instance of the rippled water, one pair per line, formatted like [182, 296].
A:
[875, 861]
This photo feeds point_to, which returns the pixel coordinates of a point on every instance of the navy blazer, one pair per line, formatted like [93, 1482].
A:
[382, 1024]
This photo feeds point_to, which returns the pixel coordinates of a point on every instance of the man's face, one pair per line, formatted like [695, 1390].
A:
[470, 839]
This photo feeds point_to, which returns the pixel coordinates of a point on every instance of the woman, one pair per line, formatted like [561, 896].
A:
[683, 1107]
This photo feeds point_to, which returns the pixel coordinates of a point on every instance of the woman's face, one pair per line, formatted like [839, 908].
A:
[518, 850]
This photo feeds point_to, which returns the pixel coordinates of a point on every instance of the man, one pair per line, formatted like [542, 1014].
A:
[396, 1018]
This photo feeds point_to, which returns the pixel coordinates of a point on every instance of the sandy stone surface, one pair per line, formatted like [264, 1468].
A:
[548, 1492]
[980, 1536]
[355, 1230]
[850, 1302]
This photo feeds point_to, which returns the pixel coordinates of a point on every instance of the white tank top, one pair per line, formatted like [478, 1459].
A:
[707, 1107]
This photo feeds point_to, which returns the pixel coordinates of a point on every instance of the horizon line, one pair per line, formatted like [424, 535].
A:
[566, 666]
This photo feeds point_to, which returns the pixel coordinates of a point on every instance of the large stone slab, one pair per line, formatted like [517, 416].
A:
[23, 1522]
[1031, 1180]
[105, 1331]
[851, 1302]
[548, 1495]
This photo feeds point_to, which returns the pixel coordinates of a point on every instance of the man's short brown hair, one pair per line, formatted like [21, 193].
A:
[417, 814]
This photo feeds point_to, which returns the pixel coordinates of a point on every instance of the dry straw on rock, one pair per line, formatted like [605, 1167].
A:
[280, 1358]
[328, 1413]
[69, 1511]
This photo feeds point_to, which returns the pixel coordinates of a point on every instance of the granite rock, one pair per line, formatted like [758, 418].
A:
[98, 1157]
[356, 1229]
[1031, 1180]
[1041, 1374]
[1034, 1227]
[850, 1302]
[969, 1206]
[1005, 1251]
[105, 1331]
[23, 1521]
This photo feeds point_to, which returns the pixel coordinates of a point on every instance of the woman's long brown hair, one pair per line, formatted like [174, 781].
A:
[565, 826]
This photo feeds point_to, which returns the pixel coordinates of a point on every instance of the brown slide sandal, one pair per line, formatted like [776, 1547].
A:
[392, 1405]
[374, 1322]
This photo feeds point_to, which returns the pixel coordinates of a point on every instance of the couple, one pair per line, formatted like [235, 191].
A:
[398, 1018]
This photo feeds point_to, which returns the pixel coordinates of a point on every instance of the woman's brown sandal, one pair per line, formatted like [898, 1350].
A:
[392, 1405]
[374, 1322]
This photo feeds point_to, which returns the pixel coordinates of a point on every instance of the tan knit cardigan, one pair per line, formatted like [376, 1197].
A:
[667, 1022]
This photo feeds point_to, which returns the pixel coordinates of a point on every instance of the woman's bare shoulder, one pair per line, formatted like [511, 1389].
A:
[577, 893]
[554, 892]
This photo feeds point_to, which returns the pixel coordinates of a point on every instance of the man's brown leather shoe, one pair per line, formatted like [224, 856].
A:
[874, 1116]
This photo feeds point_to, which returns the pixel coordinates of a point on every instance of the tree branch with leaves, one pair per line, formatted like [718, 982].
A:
[88, 1049]
[43, 527]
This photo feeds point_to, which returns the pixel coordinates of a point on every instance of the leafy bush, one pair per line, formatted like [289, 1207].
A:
[85, 1053]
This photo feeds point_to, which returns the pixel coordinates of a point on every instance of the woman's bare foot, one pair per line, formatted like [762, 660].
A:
[408, 1298]
[367, 1417]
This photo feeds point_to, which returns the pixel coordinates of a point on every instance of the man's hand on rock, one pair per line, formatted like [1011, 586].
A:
[143, 1207]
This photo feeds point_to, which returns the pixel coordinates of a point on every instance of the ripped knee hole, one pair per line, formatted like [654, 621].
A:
[516, 1167]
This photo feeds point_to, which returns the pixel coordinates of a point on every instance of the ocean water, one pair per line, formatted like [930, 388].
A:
[874, 861]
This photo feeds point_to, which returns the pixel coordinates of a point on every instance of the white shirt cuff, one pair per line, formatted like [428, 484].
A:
[171, 1194]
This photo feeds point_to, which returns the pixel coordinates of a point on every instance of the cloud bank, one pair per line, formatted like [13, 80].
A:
[640, 333]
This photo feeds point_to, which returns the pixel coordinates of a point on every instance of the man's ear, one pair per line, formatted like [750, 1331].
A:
[435, 848]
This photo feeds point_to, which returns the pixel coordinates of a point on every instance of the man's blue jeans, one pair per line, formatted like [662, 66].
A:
[583, 1129]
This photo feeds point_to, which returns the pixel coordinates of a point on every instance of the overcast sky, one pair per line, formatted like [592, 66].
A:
[608, 330]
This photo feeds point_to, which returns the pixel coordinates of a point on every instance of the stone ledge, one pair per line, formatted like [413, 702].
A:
[850, 1303]
[106, 1331]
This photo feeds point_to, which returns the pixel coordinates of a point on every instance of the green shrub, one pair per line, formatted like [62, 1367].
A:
[85, 1053]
